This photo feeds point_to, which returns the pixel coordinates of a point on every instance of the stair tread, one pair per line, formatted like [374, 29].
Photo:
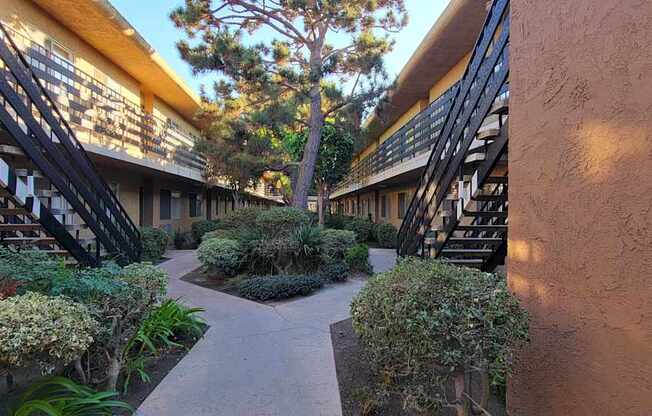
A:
[19, 227]
[479, 227]
[487, 134]
[467, 250]
[493, 214]
[476, 239]
[12, 211]
[463, 261]
[496, 179]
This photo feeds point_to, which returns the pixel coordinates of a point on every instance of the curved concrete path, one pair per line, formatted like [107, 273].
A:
[256, 360]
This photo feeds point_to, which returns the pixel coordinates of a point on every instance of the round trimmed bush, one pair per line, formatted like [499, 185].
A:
[221, 256]
[278, 287]
[146, 276]
[43, 329]
[334, 272]
[241, 217]
[361, 227]
[155, 242]
[334, 244]
[357, 258]
[199, 228]
[282, 221]
[386, 235]
[423, 322]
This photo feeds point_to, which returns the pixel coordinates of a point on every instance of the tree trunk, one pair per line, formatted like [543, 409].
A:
[320, 203]
[315, 124]
[113, 372]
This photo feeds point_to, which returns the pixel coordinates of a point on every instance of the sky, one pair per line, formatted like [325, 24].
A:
[151, 19]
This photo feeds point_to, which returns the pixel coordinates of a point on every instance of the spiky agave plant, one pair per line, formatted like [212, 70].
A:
[59, 396]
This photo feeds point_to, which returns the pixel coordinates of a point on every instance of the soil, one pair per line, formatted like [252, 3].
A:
[222, 284]
[157, 370]
[138, 390]
[356, 380]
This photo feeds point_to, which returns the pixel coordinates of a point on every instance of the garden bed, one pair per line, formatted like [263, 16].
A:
[138, 390]
[355, 378]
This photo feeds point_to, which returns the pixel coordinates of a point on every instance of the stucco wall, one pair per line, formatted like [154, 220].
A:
[580, 218]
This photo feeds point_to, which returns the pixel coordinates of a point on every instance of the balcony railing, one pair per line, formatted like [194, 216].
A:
[414, 138]
[103, 116]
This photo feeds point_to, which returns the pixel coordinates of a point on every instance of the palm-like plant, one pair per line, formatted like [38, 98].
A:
[59, 396]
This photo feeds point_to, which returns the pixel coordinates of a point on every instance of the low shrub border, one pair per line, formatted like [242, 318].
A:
[278, 287]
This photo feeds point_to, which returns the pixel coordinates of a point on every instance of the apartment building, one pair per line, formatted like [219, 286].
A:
[387, 166]
[130, 112]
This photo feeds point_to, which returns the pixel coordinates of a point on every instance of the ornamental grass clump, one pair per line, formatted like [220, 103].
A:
[35, 328]
[426, 325]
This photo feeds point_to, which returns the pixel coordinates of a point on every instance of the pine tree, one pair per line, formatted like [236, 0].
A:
[323, 56]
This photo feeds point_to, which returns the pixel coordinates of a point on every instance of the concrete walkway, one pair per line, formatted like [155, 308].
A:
[256, 360]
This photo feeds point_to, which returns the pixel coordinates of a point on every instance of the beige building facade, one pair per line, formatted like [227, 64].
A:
[132, 114]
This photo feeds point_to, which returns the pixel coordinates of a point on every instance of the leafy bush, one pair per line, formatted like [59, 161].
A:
[334, 244]
[242, 217]
[164, 325]
[424, 322]
[155, 242]
[357, 258]
[386, 235]
[334, 272]
[281, 221]
[59, 396]
[47, 330]
[147, 276]
[199, 228]
[278, 287]
[361, 227]
[221, 256]
[307, 239]
[336, 221]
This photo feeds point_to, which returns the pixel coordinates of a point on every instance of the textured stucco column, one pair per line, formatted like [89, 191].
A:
[580, 217]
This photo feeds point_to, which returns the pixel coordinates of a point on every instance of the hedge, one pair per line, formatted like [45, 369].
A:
[278, 287]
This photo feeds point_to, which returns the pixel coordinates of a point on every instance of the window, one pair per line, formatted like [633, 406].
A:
[401, 204]
[165, 204]
[383, 206]
[195, 204]
[176, 205]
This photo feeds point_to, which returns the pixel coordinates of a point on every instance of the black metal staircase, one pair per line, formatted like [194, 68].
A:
[52, 197]
[459, 210]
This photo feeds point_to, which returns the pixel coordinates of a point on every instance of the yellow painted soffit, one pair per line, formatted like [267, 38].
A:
[449, 39]
[99, 24]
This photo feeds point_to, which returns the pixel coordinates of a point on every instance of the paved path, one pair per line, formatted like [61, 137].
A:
[256, 360]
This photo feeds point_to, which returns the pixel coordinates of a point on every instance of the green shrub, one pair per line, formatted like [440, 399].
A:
[278, 287]
[336, 221]
[59, 396]
[361, 227]
[221, 256]
[155, 242]
[43, 329]
[334, 272]
[307, 239]
[147, 276]
[199, 228]
[357, 258]
[242, 217]
[424, 322]
[281, 221]
[386, 235]
[164, 326]
[334, 244]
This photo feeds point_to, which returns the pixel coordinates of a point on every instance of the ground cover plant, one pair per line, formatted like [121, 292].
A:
[426, 326]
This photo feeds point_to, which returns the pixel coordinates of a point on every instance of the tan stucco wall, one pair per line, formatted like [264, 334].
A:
[391, 194]
[580, 215]
[449, 79]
